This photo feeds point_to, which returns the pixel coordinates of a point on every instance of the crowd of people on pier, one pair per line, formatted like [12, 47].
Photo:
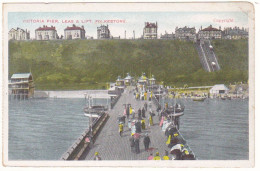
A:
[139, 121]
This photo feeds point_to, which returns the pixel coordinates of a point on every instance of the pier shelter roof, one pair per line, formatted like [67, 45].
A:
[21, 75]
[128, 77]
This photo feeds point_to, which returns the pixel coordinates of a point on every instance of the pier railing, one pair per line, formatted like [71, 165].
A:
[156, 102]
[114, 101]
[80, 145]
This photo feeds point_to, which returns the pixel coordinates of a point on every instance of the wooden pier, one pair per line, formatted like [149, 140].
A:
[111, 146]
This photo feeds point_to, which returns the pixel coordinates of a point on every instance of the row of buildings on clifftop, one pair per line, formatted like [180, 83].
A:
[189, 33]
[150, 31]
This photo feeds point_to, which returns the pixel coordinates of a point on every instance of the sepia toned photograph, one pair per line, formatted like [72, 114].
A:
[125, 84]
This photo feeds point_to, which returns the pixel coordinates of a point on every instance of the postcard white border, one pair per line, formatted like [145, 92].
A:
[132, 7]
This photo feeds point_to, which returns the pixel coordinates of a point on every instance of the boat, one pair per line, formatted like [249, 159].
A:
[95, 109]
[199, 99]
[178, 109]
[223, 98]
[176, 114]
[93, 115]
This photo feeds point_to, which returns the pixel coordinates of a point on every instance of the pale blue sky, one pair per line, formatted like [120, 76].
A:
[167, 21]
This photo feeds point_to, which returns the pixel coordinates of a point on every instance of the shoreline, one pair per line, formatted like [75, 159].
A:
[72, 94]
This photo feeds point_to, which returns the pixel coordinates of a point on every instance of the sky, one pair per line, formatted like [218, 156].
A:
[133, 21]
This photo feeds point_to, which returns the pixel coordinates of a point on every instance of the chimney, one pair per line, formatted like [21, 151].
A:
[134, 34]
[125, 34]
[219, 27]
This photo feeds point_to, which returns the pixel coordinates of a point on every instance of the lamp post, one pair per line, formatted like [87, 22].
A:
[90, 118]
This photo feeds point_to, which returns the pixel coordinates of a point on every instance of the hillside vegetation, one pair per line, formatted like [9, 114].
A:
[90, 64]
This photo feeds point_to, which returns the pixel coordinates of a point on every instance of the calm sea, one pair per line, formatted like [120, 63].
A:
[216, 129]
[45, 129]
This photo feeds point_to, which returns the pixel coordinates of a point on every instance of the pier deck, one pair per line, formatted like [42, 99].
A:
[111, 146]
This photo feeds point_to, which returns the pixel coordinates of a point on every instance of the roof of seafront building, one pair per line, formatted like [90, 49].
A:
[45, 28]
[210, 28]
[150, 25]
[219, 87]
[74, 27]
[18, 28]
[21, 75]
[185, 29]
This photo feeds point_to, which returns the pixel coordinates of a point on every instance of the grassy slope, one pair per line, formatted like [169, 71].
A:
[81, 64]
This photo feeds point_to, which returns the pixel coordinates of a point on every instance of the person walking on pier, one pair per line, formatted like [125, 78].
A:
[158, 109]
[97, 156]
[121, 128]
[145, 95]
[133, 128]
[138, 126]
[139, 114]
[151, 118]
[127, 112]
[133, 113]
[143, 124]
[157, 157]
[145, 106]
[137, 148]
[166, 157]
[146, 142]
[130, 110]
[129, 124]
[143, 112]
[150, 157]
[132, 142]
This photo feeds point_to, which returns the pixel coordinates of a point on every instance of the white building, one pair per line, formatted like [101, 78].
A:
[74, 32]
[235, 33]
[46, 33]
[103, 32]
[18, 34]
[210, 33]
[167, 36]
[219, 89]
[150, 30]
[185, 33]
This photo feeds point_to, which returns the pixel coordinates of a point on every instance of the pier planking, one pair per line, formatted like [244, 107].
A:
[111, 146]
